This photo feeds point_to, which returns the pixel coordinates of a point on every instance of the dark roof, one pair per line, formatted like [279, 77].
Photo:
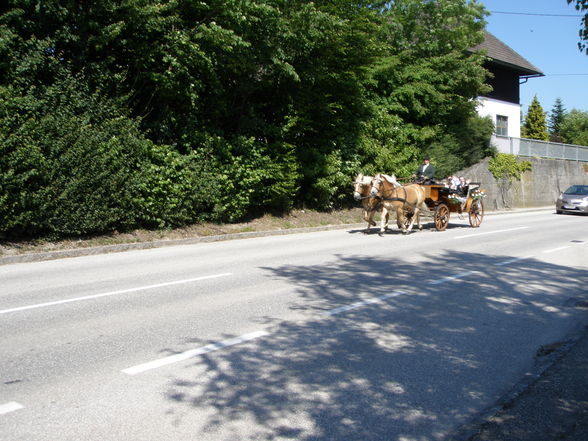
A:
[501, 54]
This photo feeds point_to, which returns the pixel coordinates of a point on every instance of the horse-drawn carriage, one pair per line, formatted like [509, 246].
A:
[442, 201]
[412, 200]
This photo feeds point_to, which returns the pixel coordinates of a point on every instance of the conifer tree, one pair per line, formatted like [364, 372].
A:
[535, 126]
[556, 118]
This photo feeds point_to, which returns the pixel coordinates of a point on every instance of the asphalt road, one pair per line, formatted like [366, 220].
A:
[333, 335]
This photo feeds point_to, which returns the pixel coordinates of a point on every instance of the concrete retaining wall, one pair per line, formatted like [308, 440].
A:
[538, 187]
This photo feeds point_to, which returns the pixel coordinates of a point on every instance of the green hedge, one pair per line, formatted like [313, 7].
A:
[70, 166]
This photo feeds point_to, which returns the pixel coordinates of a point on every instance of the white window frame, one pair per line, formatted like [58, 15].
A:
[501, 128]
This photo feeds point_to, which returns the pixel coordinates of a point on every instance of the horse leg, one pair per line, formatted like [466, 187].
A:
[371, 221]
[383, 221]
[400, 219]
[367, 219]
[407, 216]
[423, 207]
[368, 216]
[414, 215]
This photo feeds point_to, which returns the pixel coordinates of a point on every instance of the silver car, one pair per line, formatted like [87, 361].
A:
[573, 200]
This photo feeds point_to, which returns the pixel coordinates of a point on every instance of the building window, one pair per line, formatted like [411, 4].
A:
[501, 125]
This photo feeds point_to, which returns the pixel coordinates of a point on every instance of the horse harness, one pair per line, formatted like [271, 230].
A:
[403, 200]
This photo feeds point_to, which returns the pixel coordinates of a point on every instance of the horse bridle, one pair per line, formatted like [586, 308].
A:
[363, 184]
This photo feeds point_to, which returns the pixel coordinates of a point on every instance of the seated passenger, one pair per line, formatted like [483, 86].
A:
[462, 187]
[452, 182]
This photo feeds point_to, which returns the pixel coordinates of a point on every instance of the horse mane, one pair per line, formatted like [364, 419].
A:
[391, 179]
[365, 180]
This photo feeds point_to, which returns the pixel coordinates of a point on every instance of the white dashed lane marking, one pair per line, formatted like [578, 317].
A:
[454, 277]
[490, 232]
[113, 293]
[553, 250]
[193, 353]
[514, 259]
[362, 303]
[10, 407]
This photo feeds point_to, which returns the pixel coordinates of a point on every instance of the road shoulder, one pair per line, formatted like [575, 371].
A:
[550, 404]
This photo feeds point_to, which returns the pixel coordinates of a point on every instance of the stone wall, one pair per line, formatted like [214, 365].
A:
[537, 188]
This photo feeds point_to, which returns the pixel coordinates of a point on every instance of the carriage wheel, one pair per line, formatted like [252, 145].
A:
[441, 217]
[476, 213]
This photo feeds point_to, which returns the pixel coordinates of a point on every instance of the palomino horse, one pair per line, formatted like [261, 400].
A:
[361, 192]
[400, 199]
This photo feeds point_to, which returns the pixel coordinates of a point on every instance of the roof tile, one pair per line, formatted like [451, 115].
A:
[503, 54]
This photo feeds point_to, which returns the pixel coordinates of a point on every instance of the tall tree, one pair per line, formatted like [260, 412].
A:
[428, 80]
[582, 5]
[574, 128]
[556, 118]
[535, 125]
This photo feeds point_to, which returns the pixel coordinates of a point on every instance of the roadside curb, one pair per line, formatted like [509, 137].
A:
[105, 249]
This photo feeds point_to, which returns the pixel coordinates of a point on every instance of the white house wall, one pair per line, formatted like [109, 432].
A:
[493, 107]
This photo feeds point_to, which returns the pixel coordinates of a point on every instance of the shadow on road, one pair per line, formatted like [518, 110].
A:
[410, 367]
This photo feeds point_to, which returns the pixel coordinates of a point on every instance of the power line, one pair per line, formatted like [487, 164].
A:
[541, 15]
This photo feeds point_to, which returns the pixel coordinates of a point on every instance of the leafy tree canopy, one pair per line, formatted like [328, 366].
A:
[574, 128]
[232, 107]
[582, 5]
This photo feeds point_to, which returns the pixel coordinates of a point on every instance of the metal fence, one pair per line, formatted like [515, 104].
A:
[540, 149]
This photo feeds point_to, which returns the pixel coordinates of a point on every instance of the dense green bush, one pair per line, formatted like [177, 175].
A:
[69, 165]
[174, 189]
[251, 176]
[116, 115]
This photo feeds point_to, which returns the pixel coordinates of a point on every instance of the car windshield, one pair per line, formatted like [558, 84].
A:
[577, 189]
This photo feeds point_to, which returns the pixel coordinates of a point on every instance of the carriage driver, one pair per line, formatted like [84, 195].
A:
[426, 171]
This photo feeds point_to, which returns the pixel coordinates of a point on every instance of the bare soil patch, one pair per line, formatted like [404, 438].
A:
[295, 219]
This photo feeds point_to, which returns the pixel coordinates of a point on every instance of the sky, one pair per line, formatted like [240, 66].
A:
[548, 42]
